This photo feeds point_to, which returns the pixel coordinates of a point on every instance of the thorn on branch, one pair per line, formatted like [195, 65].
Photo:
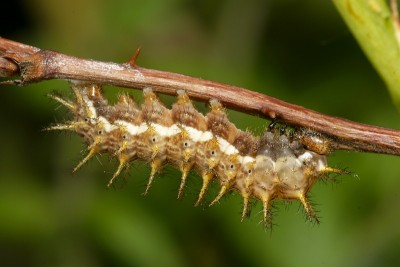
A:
[132, 61]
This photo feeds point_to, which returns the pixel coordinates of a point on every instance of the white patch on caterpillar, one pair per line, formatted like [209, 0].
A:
[226, 148]
[321, 165]
[166, 131]
[305, 156]
[317, 140]
[247, 159]
[308, 156]
[198, 136]
[107, 126]
[133, 129]
[90, 107]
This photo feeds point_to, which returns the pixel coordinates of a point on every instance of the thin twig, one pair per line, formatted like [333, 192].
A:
[34, 65]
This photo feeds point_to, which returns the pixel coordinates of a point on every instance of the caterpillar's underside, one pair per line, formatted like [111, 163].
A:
[266, 168]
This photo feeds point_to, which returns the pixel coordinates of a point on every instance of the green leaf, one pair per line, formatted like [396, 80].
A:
[371, 23]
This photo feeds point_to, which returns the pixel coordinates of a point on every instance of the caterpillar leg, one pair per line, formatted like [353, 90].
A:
[61, 127]
[267, 218]
[246, 194]
[155, 167]
[245, 211]
[93, 149]
[185, 169]
[206, 181]
[333, 170]
[221, 193]
[123, 161]
[67, 103]
[308, 208]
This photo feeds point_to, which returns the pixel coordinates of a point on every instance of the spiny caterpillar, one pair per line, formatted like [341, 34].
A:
[273, 166]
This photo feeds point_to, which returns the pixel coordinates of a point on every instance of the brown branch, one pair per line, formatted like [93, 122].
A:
[34, 65]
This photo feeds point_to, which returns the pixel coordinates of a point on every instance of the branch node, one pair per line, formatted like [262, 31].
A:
[269, 113]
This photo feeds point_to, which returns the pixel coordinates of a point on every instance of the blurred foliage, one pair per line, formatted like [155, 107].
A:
[372, 24]
[298, 51]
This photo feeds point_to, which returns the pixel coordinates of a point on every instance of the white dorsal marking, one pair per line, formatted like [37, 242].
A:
[226, 147]
[305, 156]
[133, 129]
[107, 126]
[166, 131]
[198, 136]
[92, 111]
[247, 159]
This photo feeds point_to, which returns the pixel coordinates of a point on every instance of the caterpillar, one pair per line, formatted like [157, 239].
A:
[266, 168]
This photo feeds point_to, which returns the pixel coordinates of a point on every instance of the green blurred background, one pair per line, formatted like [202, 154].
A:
[298, 51]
